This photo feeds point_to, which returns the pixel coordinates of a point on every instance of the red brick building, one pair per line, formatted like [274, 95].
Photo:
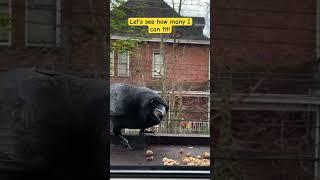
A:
[60, 35]
[270, 51]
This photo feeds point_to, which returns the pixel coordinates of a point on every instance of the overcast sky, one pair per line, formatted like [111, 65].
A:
[195, 8]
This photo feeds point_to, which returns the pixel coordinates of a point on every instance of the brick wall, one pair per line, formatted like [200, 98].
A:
[192, 63]
[265, 35]
[83, 39]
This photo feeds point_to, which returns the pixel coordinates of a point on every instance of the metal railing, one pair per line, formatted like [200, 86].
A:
[178, 127]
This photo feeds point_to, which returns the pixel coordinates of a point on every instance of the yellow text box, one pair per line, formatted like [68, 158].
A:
[160, 25]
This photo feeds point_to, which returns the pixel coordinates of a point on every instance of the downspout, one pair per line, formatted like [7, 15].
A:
[318, 31]
[316, 156]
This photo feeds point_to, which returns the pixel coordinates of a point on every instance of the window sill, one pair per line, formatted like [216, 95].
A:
[123, 76]
[2, 44]
[42, 45]
[133, 164]
[157, 77]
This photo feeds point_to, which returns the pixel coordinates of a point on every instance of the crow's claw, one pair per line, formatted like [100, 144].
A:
[127, 145]
[125, 142]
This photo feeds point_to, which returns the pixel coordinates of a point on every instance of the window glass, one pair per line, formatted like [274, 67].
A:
[157, 65]
[123, 60]
[111, 63]
[180, 61]
[41, 21]
[4, 21]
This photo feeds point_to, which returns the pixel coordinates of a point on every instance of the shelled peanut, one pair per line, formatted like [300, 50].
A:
[206, 155]
[191, 161]
[149, 155]
[169, 162]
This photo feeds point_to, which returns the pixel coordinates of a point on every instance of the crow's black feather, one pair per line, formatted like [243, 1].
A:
[53, 126]
[133, 107]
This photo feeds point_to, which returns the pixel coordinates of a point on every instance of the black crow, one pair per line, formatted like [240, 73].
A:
[52, 125]
[134, 107]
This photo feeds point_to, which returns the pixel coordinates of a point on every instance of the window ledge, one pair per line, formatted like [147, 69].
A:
[157, 174]
[5, 44]
[127, 163]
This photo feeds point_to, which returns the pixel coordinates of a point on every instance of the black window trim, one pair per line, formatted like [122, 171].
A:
[159, 172]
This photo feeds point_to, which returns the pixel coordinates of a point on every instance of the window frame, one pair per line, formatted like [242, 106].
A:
[9, 42]
[160, 172]
[57, 32]
[128, 61]
[153, 65]
[113, 72]
[209, 66]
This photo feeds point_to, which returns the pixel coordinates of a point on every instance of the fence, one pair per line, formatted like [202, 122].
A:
[178, 127]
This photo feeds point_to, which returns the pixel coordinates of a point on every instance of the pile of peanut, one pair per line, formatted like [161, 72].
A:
[187, 160]
[203, 160]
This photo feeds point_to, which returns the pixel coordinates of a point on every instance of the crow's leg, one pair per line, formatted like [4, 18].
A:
[124, 141]
[142, 132]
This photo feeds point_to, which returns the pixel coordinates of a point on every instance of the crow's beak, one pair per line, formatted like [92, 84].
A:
[160, 112]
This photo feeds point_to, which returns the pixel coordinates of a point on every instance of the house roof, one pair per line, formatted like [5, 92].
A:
[159, 8]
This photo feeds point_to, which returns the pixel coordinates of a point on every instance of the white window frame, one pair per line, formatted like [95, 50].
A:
[58, 29]
[153, 65]
[9, 43]
[111, 55]
[209, 66]
[128, 60]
